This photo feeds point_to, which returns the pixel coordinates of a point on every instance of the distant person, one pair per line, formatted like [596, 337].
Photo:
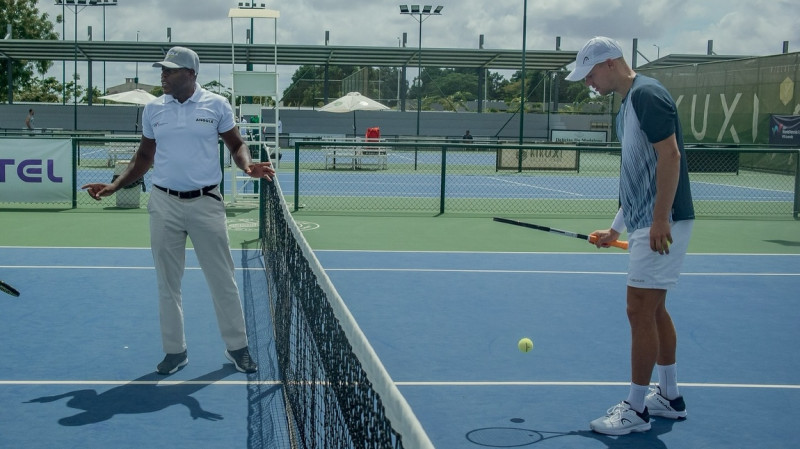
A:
[180, 132]
[29, 120]
[657, 211]
[467, 137]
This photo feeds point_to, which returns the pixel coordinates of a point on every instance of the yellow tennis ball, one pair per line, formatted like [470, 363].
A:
[525, 344]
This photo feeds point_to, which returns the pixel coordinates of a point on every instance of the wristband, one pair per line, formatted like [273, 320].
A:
[619, 222]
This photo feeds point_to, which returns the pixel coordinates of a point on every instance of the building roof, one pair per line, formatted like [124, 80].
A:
[676, 60]
[216, 53]
[220, 53]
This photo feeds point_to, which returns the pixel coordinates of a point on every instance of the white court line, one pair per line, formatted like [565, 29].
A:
[369, 251]
[91, 267]
[399, 384]
[716, 184]
[534, 186]
[614, 273]
[139, 382]
[589, 384]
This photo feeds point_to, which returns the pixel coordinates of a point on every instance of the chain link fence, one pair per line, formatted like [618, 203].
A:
[102, 160]
[471, 178]
[542, 180]
[95, 159]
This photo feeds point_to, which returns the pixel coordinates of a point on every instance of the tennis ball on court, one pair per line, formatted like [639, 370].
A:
[525, 344]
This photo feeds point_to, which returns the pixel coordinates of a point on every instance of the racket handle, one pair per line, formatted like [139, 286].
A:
[622, 244]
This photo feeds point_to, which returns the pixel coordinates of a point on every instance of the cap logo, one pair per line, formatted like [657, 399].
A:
[585, 59]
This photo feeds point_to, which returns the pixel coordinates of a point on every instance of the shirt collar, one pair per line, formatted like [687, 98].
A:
[194, 98]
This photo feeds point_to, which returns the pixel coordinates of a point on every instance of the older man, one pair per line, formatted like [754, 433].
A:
[180, 132]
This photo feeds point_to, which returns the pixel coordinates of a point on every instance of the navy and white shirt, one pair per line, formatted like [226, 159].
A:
[187, 138]
[648, 115]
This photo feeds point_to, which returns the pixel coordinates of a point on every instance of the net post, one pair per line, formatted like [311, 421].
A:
[797, 186]
[443, 176]
[296, 176]
[74, 172]
[262, 228]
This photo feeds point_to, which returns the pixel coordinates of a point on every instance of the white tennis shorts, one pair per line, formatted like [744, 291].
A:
[648, 268]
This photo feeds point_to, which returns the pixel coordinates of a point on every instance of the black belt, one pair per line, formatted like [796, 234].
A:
[191, 193]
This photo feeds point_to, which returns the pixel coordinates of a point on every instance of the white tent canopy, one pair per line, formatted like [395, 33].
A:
[353, 102]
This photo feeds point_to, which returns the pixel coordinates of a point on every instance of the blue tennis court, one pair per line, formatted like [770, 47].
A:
[503, 185]
[82, 343]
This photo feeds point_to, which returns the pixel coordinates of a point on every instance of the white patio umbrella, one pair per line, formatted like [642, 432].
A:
[353, 102]
[136, 96]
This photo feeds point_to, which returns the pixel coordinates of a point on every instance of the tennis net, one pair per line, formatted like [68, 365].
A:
[337, 392]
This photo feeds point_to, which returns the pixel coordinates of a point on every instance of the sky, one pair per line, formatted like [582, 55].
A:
[663, 27]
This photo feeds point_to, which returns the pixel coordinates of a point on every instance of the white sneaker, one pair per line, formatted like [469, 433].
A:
[621, 419]
[658, 405]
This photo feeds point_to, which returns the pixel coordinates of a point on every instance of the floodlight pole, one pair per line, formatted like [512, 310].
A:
[522, 94]
[418, 14]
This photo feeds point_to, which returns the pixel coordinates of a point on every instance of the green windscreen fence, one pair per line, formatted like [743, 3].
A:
[731, 102]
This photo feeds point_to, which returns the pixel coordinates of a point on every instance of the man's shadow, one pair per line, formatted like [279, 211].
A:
[142, 395]
[524, 437]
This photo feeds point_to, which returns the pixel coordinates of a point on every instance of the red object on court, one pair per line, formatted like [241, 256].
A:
[373, 133]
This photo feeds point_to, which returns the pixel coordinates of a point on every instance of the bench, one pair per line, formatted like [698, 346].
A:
[355, 158]
[119, 154]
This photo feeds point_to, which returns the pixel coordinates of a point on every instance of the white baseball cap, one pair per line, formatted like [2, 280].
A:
[597, 50]
[180, 58]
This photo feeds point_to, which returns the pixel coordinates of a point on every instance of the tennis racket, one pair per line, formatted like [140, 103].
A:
[590, 238]
[8, 289]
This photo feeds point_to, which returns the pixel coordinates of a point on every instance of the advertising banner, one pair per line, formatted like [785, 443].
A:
[35, 170]
[784, 130]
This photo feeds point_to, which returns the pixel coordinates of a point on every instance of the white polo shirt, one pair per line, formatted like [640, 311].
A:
[187, 138]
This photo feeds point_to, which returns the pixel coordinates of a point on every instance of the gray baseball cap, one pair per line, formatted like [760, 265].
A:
[180, 58]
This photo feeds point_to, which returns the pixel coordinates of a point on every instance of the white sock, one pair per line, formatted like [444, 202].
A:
[668, 380]
[636, 396]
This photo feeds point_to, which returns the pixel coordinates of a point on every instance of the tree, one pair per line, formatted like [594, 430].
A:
[26, 23]
[308, 84]
[95, 93]
[74, 90]
[211, 86]
[42, 90]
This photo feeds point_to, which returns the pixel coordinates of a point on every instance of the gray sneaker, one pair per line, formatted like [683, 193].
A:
[172, 363]
[241, 360]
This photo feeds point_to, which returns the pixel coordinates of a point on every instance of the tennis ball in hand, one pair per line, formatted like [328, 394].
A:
[525, 345]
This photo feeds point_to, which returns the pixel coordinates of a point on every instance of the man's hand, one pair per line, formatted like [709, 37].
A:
[98, 190]
[660, 236]
[604, 236]
[261, 170]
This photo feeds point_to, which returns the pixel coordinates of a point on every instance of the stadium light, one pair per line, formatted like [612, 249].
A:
[420, 16]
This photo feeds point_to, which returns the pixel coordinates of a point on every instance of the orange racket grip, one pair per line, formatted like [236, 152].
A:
[622, 244]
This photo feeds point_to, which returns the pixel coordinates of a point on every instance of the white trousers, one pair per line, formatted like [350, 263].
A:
[203, 220]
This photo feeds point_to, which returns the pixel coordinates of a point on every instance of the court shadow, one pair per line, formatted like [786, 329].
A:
[645, 440]
[784, 242]
[522, 437]
[142, 395]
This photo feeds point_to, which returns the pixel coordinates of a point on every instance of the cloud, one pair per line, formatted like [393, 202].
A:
[756, 27]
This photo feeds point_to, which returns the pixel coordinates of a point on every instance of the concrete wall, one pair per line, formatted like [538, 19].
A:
[122, 119]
